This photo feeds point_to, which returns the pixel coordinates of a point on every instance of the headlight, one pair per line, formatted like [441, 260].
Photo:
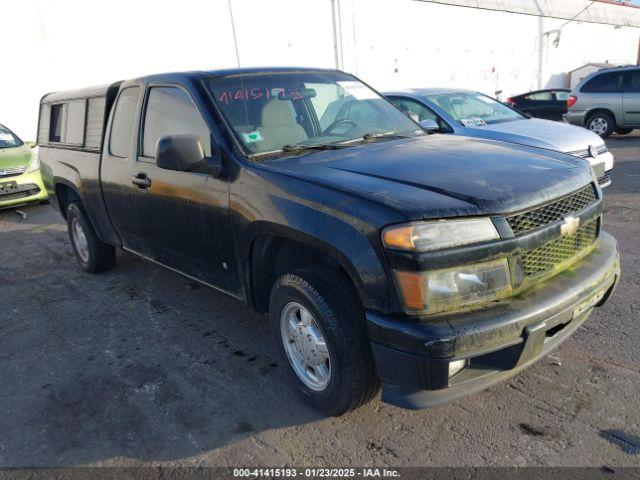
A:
[34, 164]
[454, 288]
[427, 236]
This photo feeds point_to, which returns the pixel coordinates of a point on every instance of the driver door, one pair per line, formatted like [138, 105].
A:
[178, 219]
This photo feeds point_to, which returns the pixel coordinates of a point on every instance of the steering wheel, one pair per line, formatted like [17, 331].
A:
[337, 123]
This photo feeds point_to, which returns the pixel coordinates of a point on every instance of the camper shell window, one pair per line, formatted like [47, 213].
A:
[76, 119]
[58, 121]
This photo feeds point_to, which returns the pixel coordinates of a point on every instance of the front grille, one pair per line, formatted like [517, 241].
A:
[546, 214]
[600, 149]
[5, 197]
[605, 179]
[12, 172]
[550, 255]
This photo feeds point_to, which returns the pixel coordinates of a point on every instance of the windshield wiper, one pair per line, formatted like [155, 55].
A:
[374, 135]
[301, 147]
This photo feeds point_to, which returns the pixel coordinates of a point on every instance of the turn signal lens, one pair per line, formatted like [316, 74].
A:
[412, 287]
[400, 238]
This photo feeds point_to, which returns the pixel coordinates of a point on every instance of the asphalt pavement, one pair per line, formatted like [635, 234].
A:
[140, 365]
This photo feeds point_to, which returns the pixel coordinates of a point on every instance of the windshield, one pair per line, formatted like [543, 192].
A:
[278, 112]
[474, 109]
[8, 139]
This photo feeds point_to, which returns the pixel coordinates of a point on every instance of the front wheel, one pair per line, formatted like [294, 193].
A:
[320, 332]
[92, 254]
[601, 123]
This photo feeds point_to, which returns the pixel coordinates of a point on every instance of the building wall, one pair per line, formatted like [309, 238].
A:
[389, 44]
[436, 44]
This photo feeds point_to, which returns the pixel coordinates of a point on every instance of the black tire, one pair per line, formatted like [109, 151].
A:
[98, 256]
[605, 121]
[623, 131]
[529, 113]
[331, 299]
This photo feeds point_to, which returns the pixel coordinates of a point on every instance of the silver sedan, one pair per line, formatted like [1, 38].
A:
[472, 114]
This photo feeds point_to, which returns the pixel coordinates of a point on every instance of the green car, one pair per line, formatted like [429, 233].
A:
[20, 180]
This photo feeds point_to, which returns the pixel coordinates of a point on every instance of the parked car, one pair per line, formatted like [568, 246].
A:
[469, 113]
[20, 180]
[607, 101]
[427, 263]
[550, 104]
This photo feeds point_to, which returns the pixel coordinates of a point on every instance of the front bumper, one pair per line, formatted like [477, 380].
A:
[20, 189]
[413, 355]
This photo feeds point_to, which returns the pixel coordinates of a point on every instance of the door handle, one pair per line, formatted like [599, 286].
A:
[141, 181]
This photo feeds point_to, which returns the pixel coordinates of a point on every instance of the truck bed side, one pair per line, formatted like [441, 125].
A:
[70, 136]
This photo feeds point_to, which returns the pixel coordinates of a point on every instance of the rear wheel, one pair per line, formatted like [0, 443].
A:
[601, 123]
[92, 254]
[529, 113]
[623, 131]
[320, 332]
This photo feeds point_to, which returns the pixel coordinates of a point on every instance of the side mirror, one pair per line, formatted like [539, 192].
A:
[183, 153]
[429, 125]
[30, 144]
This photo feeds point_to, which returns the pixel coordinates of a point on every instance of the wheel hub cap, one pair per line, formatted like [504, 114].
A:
[305, 346]
[599, 126]
[80, 240]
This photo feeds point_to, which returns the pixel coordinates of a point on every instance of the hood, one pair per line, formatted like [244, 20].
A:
[444, 175]
[15, 157]
[536, 132]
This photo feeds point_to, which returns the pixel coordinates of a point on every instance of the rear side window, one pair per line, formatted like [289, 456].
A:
[562, 96]
[632, 83]
[171, 111]
[604, 83]
[122, 125]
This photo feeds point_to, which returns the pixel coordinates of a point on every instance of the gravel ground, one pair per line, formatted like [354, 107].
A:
[139, 365]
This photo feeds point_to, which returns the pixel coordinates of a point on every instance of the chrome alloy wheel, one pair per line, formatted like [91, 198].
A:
[80, 240]
[599, 125]
[305, 346]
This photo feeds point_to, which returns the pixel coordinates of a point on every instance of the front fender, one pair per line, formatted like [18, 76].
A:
[352, 242]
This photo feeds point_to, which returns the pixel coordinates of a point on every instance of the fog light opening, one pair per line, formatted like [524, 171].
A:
[457, 366]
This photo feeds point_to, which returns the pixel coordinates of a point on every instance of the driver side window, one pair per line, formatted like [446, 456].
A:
[423, 112]
[171, 111]
[412, 106]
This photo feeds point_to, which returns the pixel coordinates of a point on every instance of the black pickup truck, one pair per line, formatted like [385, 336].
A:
[431, 265]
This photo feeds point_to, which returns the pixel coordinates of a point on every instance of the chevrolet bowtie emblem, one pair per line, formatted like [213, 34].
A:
[570, 226]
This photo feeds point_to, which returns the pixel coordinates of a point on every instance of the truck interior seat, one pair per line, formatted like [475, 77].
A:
[278, 126]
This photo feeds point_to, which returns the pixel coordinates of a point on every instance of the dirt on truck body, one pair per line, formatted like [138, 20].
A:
[430, 265]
